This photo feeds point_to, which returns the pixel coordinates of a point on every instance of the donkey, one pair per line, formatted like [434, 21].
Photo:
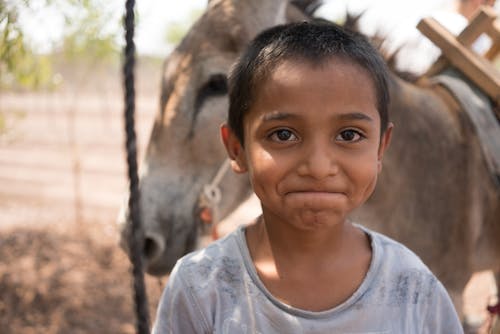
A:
[435, 193]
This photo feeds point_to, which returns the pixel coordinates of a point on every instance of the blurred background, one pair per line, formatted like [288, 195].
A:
[62, 160]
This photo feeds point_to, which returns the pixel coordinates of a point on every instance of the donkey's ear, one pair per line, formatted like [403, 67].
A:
[234, 149]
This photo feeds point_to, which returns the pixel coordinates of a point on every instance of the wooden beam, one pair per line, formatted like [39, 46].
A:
[494, 33]
[480, 22]
[477, 69]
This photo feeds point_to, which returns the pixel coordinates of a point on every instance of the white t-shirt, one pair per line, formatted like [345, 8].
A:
[217, 290]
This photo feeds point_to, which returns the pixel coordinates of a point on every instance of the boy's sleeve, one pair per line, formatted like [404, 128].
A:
[441, 317]
[178, 311]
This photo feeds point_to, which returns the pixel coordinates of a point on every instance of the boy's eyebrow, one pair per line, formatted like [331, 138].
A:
[276, 116]
[279, 115]
[355, 116]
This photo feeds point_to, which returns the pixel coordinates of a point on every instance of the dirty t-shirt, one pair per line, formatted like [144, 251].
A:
[217, 290]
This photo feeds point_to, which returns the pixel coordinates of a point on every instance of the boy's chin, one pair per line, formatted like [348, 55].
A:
[314, 219]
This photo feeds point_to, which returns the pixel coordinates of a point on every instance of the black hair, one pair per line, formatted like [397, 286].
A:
[315, 42]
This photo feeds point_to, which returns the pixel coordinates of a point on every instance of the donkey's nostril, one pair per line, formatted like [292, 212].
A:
[153, 247]
[150, 247]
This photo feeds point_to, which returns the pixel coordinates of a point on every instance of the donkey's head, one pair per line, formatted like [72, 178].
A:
[184, 153]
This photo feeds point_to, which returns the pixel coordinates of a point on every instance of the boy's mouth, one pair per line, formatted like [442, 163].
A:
[315, 199]
[320, 189]
[318, 193]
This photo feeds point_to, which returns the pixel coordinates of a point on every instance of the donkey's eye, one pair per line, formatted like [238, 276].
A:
[215, 86]
[283, 135]
[349, 136]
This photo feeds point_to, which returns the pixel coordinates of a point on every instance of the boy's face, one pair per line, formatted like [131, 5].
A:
[312, 142]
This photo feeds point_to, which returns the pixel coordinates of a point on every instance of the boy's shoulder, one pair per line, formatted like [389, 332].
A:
[221, 258]
[399, 280]
[397, 266]
[394, 251]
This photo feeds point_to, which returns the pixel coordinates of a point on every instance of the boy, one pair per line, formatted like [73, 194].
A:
[308, 122]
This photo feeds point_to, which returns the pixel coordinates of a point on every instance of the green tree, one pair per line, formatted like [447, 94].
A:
[90, 33]
[18, 63]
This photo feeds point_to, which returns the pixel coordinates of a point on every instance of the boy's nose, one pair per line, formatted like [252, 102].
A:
[318, 163]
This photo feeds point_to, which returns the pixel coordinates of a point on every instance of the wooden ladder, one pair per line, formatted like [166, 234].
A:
[456, 50]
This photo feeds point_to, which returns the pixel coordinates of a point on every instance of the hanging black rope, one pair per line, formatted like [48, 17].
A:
[136, 240]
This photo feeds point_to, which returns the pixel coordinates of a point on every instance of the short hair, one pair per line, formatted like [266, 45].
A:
[315, 42]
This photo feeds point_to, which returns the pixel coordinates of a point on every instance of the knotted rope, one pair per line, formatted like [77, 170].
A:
[135, 238]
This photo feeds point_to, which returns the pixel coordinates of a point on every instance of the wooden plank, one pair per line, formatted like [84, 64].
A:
[492, 52]
[477, 69]
[494, 33]
[479, 23]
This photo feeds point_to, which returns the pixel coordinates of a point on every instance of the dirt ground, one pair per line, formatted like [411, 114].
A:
[66, 282]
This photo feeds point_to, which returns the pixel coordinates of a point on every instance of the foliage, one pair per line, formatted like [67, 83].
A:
[90, 34]
[18, 64]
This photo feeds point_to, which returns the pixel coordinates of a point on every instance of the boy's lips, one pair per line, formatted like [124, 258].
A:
[312, 189]
[315, 199]
[315, 193]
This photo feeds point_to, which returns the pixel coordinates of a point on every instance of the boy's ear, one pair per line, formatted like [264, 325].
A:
[385, 141]
[234, 149]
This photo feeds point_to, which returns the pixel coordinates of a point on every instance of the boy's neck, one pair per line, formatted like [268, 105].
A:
[305, 275]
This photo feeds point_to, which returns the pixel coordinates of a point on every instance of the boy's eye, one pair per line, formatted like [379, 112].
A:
[349, 135]
[283, 135]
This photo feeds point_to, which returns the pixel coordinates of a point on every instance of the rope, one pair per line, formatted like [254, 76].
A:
[135, 238]
[211, 196]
